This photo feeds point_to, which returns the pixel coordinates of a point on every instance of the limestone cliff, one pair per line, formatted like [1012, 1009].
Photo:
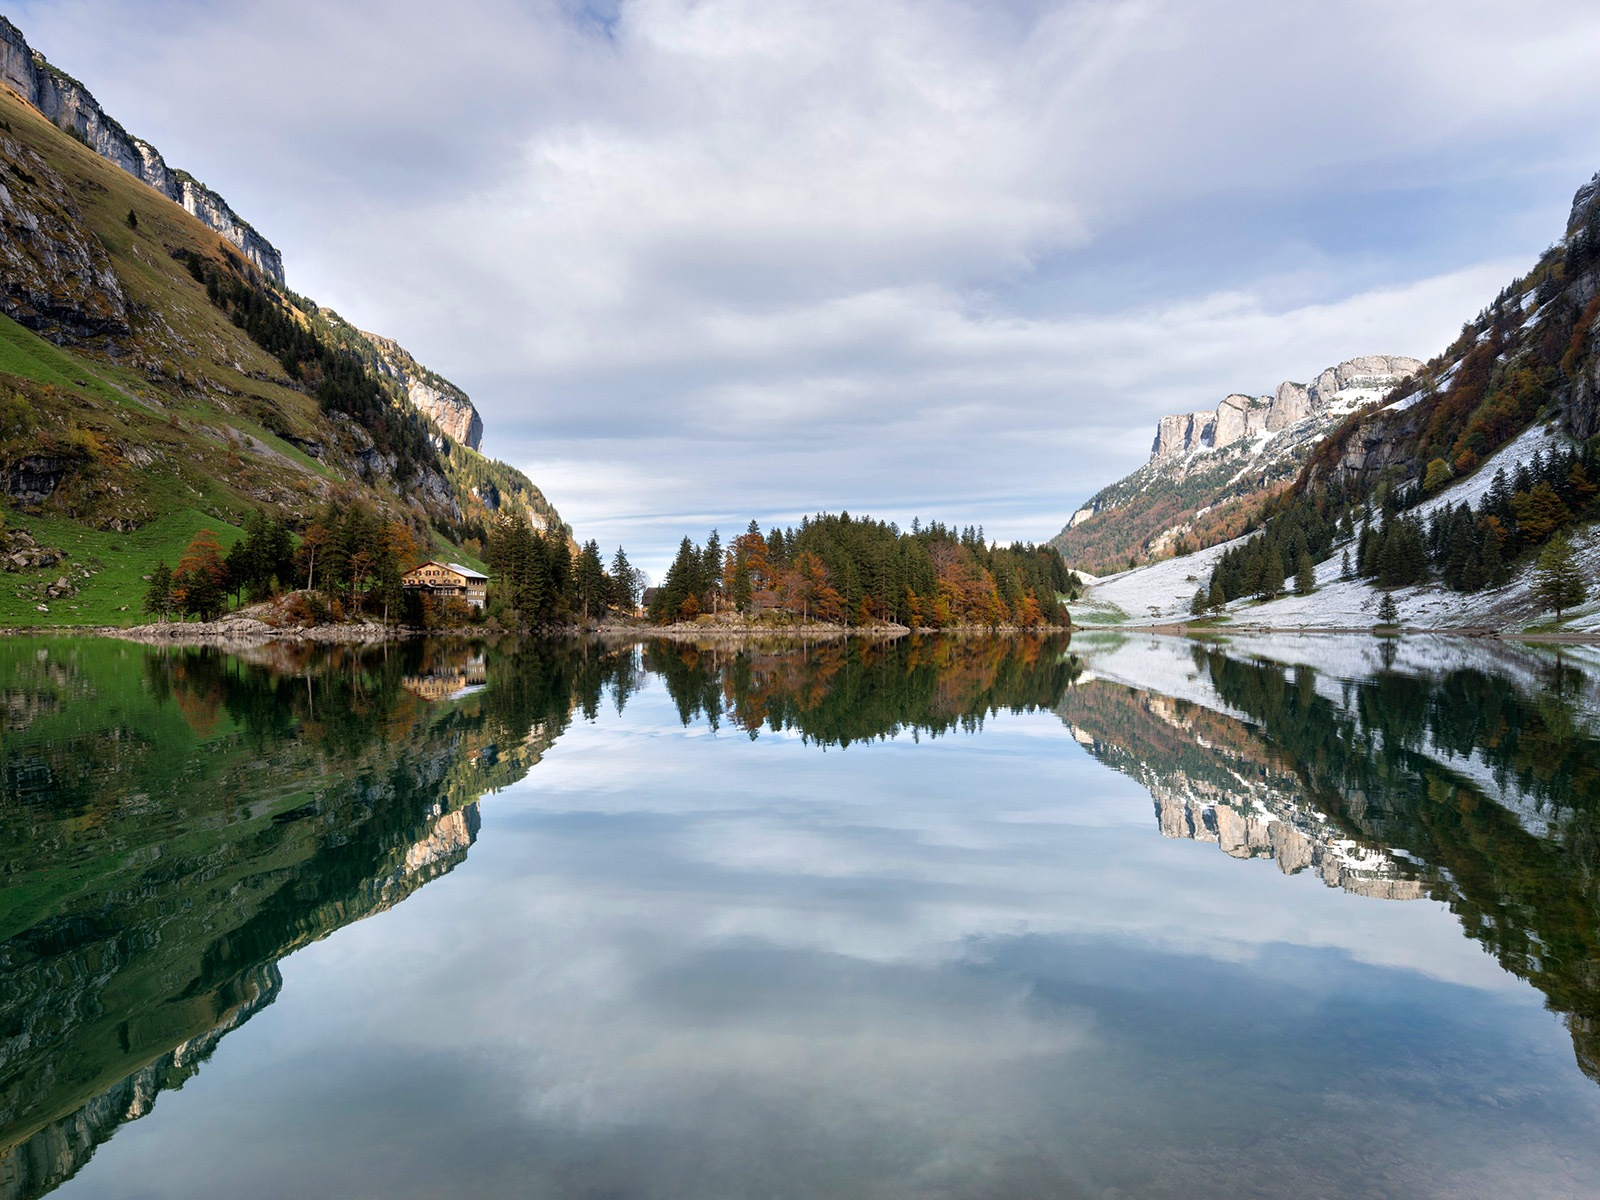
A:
[1208, 470]
[1239, 416]
[441, 401]
[70, 106]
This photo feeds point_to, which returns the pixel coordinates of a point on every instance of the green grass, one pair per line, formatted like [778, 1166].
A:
[119, 562]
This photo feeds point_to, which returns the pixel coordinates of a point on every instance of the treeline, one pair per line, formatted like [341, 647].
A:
[1463, 548]
[347, 563]
[537, 581]
[858, 571]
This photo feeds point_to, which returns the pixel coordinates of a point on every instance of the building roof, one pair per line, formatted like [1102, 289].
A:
[468, 572]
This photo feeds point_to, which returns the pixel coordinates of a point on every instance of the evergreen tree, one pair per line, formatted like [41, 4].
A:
[1558, 581]
[1197, 606]
[1217, 599]
[1271, 584]
[1305, 575]
[158, 596]
[1388, 614]
[623, 594]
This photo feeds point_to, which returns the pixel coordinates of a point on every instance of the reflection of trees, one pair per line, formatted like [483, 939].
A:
[174, 823]
[1379, 764]
[837, 692]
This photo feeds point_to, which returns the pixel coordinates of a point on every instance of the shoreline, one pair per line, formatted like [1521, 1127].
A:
[1476, 632]
[231, 632]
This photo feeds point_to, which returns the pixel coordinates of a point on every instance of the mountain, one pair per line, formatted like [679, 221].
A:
[1209, 470]
[1492, 440]
[157, 377]
[67, 104]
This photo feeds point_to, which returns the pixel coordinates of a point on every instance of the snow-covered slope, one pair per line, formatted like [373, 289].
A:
[1160, 593]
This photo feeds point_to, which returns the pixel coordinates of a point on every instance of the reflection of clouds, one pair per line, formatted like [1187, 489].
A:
[889, 850]
[757, 969]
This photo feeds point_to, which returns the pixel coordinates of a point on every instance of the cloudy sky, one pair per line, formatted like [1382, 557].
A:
[698, 260]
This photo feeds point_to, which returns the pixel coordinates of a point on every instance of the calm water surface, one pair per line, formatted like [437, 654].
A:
[1128, 918]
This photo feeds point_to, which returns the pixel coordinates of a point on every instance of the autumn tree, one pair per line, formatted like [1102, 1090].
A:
[200, 582]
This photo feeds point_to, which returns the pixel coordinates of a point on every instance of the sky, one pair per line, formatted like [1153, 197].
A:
[698, 261]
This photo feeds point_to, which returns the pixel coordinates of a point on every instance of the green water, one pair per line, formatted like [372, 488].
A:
[963, 917]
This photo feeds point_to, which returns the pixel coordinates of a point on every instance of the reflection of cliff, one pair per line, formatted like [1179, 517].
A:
[171, 826]
[1214, 779]
[1483, 779]
[1384, 760]
[54, 1153]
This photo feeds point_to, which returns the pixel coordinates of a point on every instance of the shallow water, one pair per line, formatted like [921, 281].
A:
[1136, 917]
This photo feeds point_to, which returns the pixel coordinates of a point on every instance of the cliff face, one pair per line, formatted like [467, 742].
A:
[446, 405]
[67, 103]
[54, 275]
[1239, 416]
[1208, 470]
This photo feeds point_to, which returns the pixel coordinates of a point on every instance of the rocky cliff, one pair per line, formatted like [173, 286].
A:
[67, 103]
[1208, 470]
[441, 401]
[54, 274]
[1237, 417]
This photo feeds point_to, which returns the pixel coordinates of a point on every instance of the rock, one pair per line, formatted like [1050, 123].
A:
[69, 105]
[441, 401]
[1290, 404]
[53, 274]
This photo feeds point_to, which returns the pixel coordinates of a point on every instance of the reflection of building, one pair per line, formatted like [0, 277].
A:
[448, 683]
[447, 580]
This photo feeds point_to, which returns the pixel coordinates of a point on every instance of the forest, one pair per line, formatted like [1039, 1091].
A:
[848, 570]
[1463, 548]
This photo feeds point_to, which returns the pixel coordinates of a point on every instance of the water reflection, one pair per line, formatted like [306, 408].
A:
[173, 824]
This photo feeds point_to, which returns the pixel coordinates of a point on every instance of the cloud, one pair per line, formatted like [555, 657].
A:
[720, 258]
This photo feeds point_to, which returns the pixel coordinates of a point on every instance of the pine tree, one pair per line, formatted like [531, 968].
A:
[1558, 580]
[1271, 574]
[1218, 598]
[1197, 606]
[1388, 614]
[158, 596]
[623, 595]
[1305, 575]
[1345, 571]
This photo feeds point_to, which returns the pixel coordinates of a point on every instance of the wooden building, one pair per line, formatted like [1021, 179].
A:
[445, 580]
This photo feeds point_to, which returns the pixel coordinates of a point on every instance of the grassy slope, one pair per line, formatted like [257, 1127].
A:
[187, 386]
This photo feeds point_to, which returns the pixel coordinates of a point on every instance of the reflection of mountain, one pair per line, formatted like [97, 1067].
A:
[1215, 780]
[171, 826]
[1479, 779]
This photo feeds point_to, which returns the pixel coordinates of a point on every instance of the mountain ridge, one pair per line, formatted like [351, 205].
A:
[1209, 470]
[70, 106]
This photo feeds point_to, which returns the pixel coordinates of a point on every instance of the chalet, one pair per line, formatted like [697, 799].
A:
[447, 579]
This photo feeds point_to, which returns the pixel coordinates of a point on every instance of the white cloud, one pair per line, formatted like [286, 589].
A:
[731, 257]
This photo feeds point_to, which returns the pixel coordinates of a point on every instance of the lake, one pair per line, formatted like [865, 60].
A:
[1125, 916]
